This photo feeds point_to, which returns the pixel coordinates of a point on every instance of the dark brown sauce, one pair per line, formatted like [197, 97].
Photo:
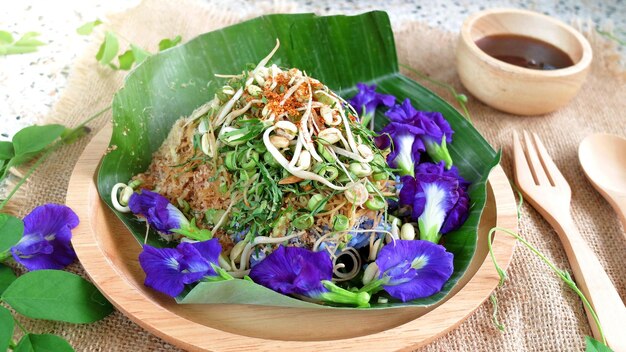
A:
[524, 51]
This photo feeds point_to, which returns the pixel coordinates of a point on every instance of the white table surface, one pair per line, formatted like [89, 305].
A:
[31, 83]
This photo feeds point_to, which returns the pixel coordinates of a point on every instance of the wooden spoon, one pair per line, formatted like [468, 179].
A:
[603, 158]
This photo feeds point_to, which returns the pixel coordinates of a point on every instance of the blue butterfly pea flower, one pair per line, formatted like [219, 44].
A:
[168, 270]
[439, 199]
[412, 269]
[432, 197]
[460, 211]
[367, 100]
[164, 216]
[301, 272]
[414, 132]
[46, 240]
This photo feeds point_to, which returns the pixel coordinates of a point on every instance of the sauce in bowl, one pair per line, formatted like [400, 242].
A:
[524, 51]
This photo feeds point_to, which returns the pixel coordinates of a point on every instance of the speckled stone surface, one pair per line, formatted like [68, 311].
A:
[31, 83]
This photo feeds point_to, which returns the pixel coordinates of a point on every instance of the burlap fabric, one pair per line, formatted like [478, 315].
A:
[541, 313]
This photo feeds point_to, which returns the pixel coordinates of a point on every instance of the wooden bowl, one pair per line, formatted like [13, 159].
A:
[109, 254]
[515, 89]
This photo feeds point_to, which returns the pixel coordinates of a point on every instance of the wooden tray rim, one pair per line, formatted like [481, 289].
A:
[197, 337]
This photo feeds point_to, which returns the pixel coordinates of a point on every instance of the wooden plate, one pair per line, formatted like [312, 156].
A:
[109, 254]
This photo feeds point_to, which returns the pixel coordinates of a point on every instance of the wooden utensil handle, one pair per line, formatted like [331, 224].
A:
[595, 284]
[620, 208]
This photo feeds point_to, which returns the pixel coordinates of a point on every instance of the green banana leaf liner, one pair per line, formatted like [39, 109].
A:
[340, 51]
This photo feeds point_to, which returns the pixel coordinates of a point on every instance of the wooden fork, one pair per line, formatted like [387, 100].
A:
[548, 192]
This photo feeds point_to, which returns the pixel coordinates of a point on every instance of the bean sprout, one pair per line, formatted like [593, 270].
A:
[245, 255]
[115, 198]
[228, 106]
[356, 265]
[285, 164]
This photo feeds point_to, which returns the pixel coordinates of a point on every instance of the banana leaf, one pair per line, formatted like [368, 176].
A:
[340, 51]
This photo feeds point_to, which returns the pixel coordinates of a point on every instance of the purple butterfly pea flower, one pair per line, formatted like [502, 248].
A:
[164, 216]
[412, 269]
[367, 100]
[458, 214]
[432, 197]
[434, 133]
[460, 211]
[158, 211]
[438, 136]
[407, 147]
[46, 240]
[299, 271]
[168, 270]
[440, 169]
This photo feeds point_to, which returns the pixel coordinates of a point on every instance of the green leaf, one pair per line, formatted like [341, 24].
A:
[87, 28]
[6, 150]
[13, 50]
[57, 295]
[71, 135]
[43, 343]
[26, 44]
[7, 276]
[11, 230]
[340, 51]
[29, 40]
[108, 49]
[6, 328]
[169, 43]
[31, 140]
[239, 292]
[139, 53]
[593, 345]
[6, 37]
[126, 60]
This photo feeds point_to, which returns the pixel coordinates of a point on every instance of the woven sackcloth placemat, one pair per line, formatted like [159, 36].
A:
[540, 312]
